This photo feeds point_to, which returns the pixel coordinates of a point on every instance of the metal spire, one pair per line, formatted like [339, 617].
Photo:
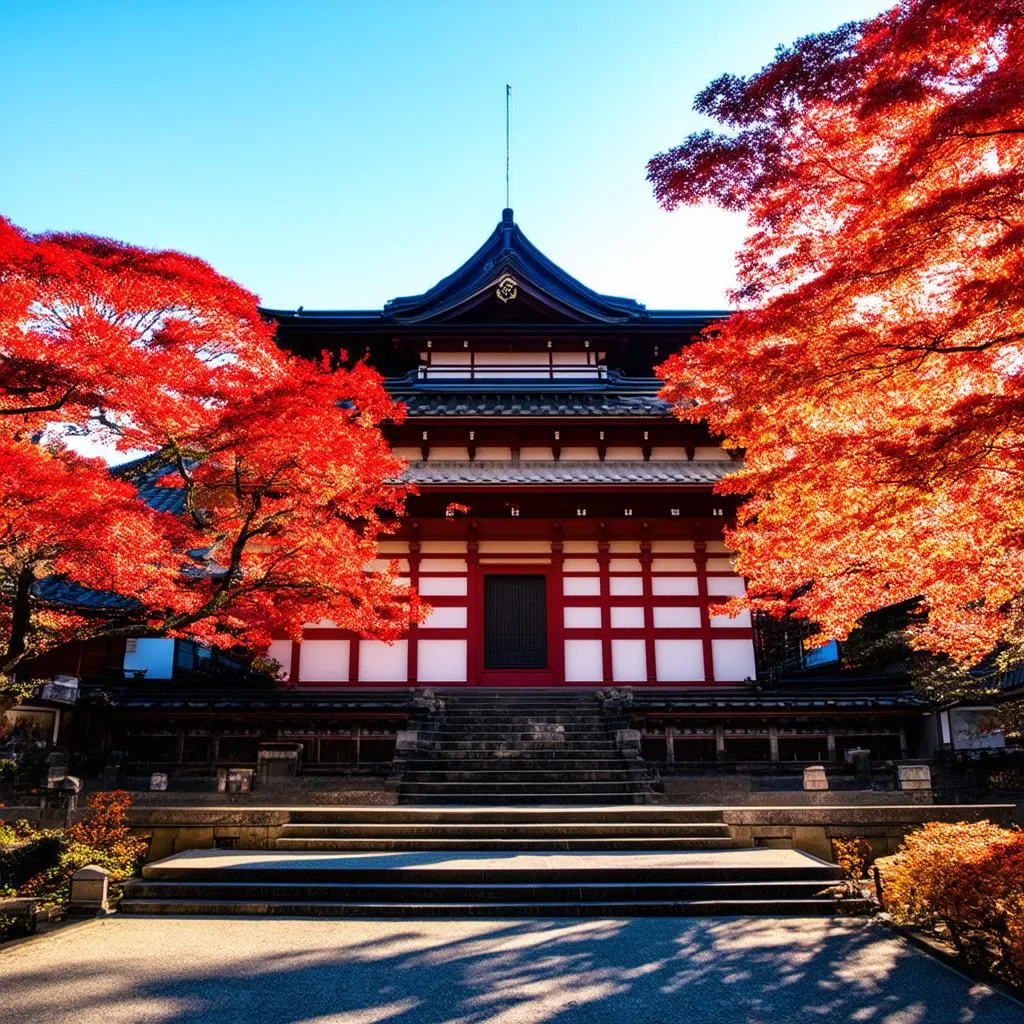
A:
[508, 148]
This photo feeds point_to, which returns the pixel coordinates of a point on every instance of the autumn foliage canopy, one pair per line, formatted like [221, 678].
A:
[280, 470]
[874, 371]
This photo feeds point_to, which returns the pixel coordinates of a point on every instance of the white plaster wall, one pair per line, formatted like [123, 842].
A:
[383, 663]
[281, 652]
[441, 547]
[676, 618]
[583, 661]
[486, 453]
[448, 586]
[582, 618]
[441, 661]
[581, 586]
[629, 661]
[323, 661]
[516, 547]
[679, 661]
[624, 565]
[446, 454]
[627, 618]
[432, 565]
[674, 586]
[536, 455]
[673, 565]
[668, 453]
[580, 565]
[579, 453]
[726, 586]
[733, 659]
[445, 618]
[626, 586]
[741, 621]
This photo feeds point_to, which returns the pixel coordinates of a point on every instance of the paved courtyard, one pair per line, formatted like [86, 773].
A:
[638, 971]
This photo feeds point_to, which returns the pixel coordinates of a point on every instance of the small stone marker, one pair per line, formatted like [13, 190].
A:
[406, 741]
[815, 777]
[89, 887]
[158, 781]
[914, 776]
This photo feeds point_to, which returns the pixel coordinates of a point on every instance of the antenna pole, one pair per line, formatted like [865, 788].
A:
[508, 149]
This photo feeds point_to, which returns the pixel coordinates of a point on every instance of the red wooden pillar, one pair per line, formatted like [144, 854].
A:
[603, 558]
[556, 613]
[646, 563]
[700, 557]
[412, 666]
[474, 614]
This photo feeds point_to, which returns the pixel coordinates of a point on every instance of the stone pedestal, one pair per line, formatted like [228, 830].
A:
[407, 741]
[815, 777]
[277, 762]
[914, 776]
[627, 742]
[89, 887]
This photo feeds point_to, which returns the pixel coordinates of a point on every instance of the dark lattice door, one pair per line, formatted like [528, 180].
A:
[515, 622]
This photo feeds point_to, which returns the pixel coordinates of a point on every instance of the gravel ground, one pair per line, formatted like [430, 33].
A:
[637, 971]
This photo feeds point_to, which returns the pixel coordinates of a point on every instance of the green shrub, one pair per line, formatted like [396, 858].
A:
[19, 864]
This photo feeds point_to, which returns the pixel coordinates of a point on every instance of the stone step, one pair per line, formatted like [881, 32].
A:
[415, 774]
[521, 761]
[441, 786]
[502, 799]
[462, 844]
[531, 754]
[604, 746]
[511, 830]
[512, 815]
[445, 735]
[631, 908]
[471, 893]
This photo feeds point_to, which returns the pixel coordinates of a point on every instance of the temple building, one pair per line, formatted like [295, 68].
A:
[565, 533]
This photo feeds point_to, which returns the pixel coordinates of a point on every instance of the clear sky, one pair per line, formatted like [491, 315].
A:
[337, 154]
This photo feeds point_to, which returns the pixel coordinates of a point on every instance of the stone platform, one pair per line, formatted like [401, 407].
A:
[493, 883]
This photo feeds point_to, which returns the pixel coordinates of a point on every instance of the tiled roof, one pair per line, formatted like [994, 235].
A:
[568, 472]
[58, 590]
[536, 403]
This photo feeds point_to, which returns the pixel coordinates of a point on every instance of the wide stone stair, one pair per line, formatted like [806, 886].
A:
[504, 747]
[481, 862]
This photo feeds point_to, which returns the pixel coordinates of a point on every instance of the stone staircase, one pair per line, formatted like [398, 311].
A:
[489, 862]
[506, 747]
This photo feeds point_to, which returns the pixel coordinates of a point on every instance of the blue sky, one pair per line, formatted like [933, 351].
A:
[334, 155]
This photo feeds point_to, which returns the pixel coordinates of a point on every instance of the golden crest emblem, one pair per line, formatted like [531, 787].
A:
[508, 288]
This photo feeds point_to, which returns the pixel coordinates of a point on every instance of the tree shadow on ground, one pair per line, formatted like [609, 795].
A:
[580, 971]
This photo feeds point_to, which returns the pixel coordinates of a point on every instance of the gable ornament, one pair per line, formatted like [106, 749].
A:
[508, 288]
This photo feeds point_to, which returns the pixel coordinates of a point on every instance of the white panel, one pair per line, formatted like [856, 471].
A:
[627, 618]
[453, 586]
[626, 586]
[624, 547]
[429, 565]
[383, 663]
[511, 358]
[581, 586]
[583, 661]
[323, 661]
[663, 453]
[441, 661]
[665, 586]
[679, 661]
[412, 454]
[508, 547]
[393, 547]
[726, 586]
[448, 455]
[442, 547]
[570, 358]
[383, 564]
[629, 661]
[717, 547]
[673, 565]
[490, 454]
[536, 455]
[576, 453]
[671, 547]
[322, 624]
[155, 655]
[734, 660]
[709, 455]
[621, 454]
[580, 565]
[624, 565]
[741, 621]
[281, 652]
[720, 565]
[582, 618]
[445, 618]
[459, 358]
[579, 547]
[677, 618]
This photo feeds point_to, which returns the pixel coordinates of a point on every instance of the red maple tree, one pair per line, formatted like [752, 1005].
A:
[285, 479]
[874, 370]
